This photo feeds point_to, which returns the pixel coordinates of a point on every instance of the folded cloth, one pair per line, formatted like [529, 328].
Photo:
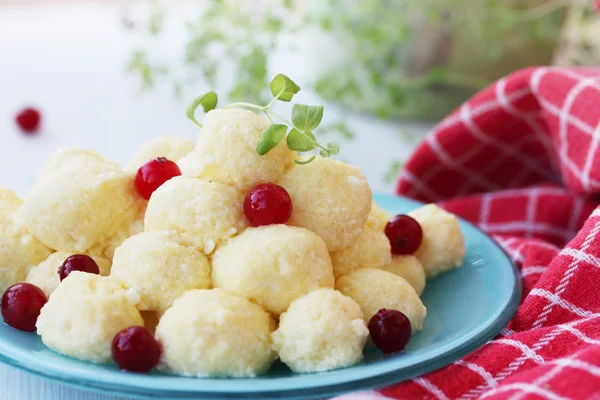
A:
[521, 160]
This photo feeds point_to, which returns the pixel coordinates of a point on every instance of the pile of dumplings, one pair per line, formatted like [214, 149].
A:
[223, 299]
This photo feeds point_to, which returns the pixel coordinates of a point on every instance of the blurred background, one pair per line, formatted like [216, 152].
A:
[110, 75]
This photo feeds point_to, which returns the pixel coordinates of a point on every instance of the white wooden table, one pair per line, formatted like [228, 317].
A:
[68, 58]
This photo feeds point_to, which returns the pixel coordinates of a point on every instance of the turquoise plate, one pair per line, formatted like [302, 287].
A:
[465, 308]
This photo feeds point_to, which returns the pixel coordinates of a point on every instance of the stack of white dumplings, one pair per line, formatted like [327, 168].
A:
[223, 299]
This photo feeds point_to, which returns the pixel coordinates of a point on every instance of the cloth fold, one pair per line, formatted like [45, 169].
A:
[521, 160]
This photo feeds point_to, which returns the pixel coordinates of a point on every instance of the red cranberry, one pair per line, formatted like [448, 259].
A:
[28, 120]
[153, 174]
[404, 233]
[268, 204]
[78, 262]
[21, 306]
[390, 330]
[135, 349]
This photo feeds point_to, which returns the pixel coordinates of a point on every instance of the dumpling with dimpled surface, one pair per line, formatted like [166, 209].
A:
[19, 250]
[208, 212]
[330, 198]
[226, 150]
[79, 201]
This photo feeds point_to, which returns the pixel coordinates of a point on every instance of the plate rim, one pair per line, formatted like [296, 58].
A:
[320, 391]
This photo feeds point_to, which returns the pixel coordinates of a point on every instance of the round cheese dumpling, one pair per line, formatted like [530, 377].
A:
[330, 198]
[443, 245]
[321, 331]
[226, 150]
[209, 212]
[19, 250]
[378, 217]
[172, 147]
[374, 289]
[371, 249]
[160, 266]
[45, 275]
[273, 265]
[409, 268]
[79, 201]
[212, 333]
[84, 314]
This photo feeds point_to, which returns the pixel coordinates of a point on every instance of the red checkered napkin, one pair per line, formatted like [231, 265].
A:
[521, 159]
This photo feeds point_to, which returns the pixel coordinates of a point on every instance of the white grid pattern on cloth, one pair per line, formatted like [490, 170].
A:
[479, 370]
[537, 269]
[512, 367]
[502, 147]
[528, 227]
[519, 361]
[582, 256]
[564, 114]
[565, 118]
[559, 365]
[554, 299]
[587, 167]
[457, 165]
[529, 119]
[431, 388]
[455, 119]
[564, 282]
[528, 352]
[515, 254]
[420, 185]
[495, 163]
[528, 388]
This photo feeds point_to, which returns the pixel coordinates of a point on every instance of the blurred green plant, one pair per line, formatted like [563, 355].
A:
[391, 68]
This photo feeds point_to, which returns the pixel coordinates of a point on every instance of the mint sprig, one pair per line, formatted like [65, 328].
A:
[298, 132]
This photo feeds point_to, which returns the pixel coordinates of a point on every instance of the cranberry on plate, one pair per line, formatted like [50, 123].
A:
[135, 349]
[21, 306]
[390, 330]
[268, 204]
[404, 233]
[78, 262]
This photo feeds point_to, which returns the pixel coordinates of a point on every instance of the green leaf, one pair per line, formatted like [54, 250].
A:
[306, 118]
[304, 162]
[270, 138]
[283, 87]
[299, 141]
[324, 153]
[208, 102]
[333, 148]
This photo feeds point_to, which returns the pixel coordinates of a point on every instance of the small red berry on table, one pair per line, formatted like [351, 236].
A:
[28, 120]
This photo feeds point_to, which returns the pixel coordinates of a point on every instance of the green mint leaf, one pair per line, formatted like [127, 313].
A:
[270, 138]
[284, 87]
[306, 118]
[333, 148]
[207, 101]
[304, 162]
[324, 153]
[299, 141]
